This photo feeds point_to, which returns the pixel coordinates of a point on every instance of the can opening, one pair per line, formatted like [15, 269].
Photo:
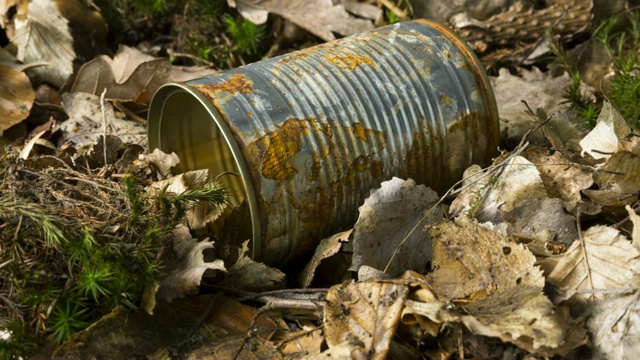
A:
[193, 129]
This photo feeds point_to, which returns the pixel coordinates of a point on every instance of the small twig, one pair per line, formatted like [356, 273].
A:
[584, 250]
[391, 6]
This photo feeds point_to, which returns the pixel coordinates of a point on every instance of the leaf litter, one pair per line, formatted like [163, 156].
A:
[510, 267]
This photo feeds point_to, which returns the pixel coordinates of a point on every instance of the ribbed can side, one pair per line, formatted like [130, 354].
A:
[320, 127]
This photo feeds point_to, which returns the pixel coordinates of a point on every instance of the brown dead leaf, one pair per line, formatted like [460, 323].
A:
[368, 312]
[615, 327]
[601, 259]
[16, 97]
[621, 173]
[635, 234]
[471, 261]
[253, 276]
[389, 233]
[319, 17]
[130, 76]
[163, 162]
[183, 275]
[327, 247]
[43, 35]
[602, 141]
[307, 341]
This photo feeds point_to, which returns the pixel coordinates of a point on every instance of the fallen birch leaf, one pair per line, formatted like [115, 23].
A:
[635, 234]
[615, 327]
[620, 173]
[163, 162]
[368, 312]
[471, 262]
[319, 17]
[43, 35]
[389, 234]
[86, 124]
[601, 259]
[602, 141]
[16, 97]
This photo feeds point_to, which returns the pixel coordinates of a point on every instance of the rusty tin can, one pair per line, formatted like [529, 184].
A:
[312, 132]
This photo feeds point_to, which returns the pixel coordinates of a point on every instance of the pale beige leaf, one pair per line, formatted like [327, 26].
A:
[163, 162]
[521, 315]
[602, 141]
[389, 232]
[327, 248]
[16, 97]
[471, 261]
[368, 312]
[320, 17]
[5, 5]
[602, 259]
[44, 36]
[126, 61]
[635, 234]
[86, 124]
[615, 327]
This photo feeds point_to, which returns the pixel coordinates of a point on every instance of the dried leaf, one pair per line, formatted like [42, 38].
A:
[614, 325]
[308, 341]
[621, 173]
[43, 35]
[472, 262]
[635, 234]
[130, 76]
[602, 141]
[16, 97]
[183, 275]
[389, 232]
[319, 17]
[521, 315]
[163, 162]
[601, 259]
[327, 247]
[85, 124]
[368, 312]
[253, 276]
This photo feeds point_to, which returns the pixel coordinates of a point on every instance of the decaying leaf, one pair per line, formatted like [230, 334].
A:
[615, 326]
[319, 17]
[602, 141]
[389, 232]
[494, 265]
[308, 341]
[601, 259]
[130, 76]
[368, 312]
[16, 97]
[635, 220]
[620, 173]
[327, 247]
[86, 123]
[42, 34]
[184, 274]
[163, 162]
[253, 276]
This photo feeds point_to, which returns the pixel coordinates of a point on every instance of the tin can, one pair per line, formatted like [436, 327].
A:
[313, 131]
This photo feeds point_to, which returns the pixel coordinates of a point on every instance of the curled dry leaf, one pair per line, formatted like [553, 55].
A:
[635, 234]
[184, 274]
[327, 248]
[368, 312]
[163, 162]
[601, 259]
[602, 141]
[16, 97]
[389, 234]
[42, 34]
[130, 76]
[319, 17]
[253, 276]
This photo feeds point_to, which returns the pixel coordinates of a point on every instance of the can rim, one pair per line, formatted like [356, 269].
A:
[155, 118]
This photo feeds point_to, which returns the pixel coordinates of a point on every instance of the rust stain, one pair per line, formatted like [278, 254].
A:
[446, 100]
[350, 61]
[295, 56]
[237, 83]
[359, 131]
[284, 143]
[376, 169]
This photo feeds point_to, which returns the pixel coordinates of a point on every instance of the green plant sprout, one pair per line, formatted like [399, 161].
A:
[244, 34]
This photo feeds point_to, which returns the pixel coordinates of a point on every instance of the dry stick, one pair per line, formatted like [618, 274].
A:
[104, 126]
[391, 6]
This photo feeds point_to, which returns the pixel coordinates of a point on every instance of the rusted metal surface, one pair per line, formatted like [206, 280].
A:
[313, 131]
